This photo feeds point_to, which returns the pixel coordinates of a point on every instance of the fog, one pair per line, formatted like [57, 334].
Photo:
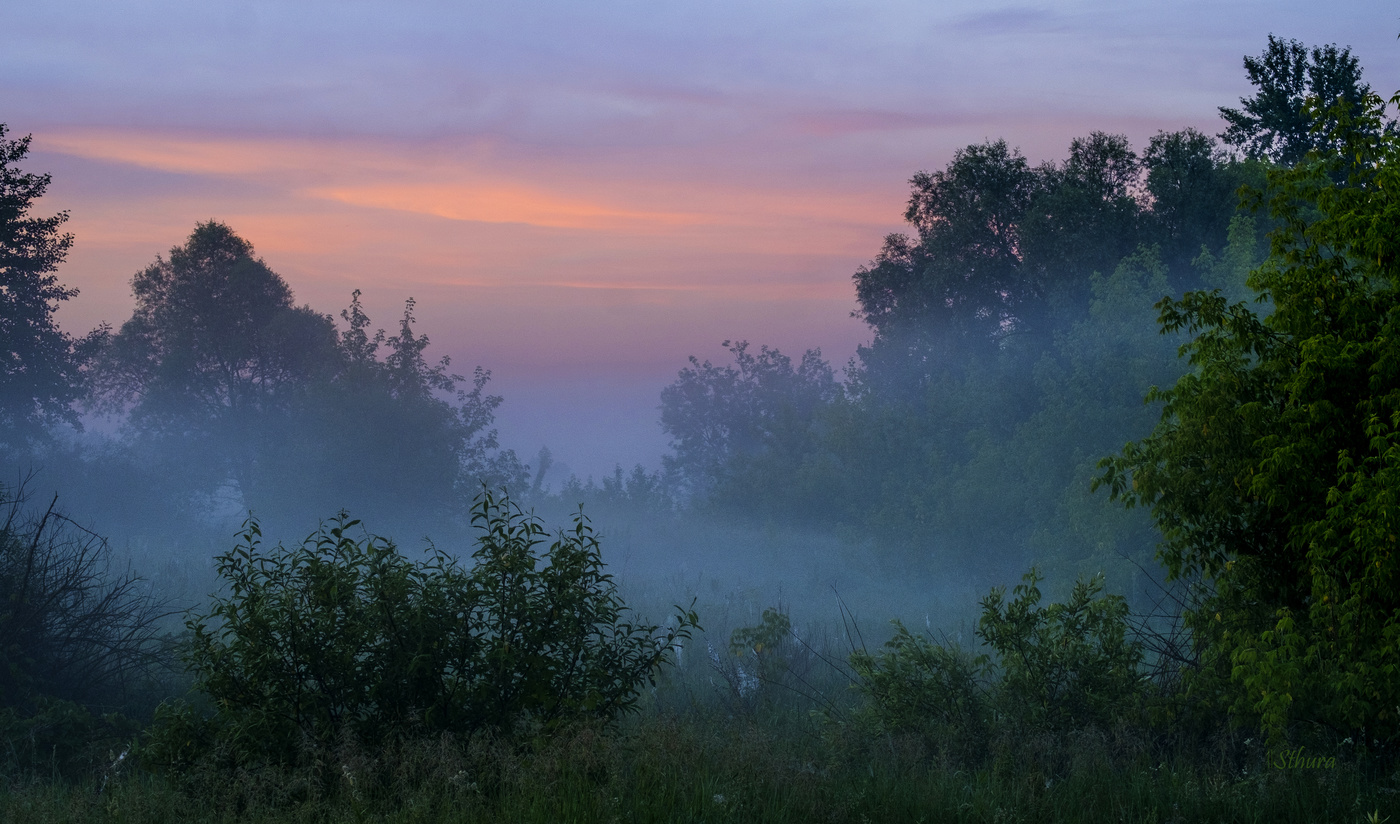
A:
[954, 452]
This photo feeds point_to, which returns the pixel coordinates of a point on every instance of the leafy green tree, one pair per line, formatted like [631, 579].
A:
[213, 357]
[1273, 471]
[341, 634]
[722, 419]
[1083, 221]
[960, 284]
[1277, 124]
[1192, 184]
[40, 373]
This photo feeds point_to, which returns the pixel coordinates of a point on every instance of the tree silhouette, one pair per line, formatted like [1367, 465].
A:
[40, 373]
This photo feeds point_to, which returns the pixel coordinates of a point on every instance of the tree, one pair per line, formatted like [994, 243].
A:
[722, 419]
[1273, 472]
[40, 371]
[1084, 220]
[213, 357]
[1276, 124]
[1192, 185]
[961, 281]
[228, 382]
[379, 436]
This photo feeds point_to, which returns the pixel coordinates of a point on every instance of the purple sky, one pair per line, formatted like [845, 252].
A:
[579, 195]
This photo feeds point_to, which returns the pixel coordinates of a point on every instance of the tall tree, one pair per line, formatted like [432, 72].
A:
[723, 419]
[214, 352]
[964, 271]
[1276, 124]
[381, 438]
[1083, 221]
[959, 286]
[1273, 472]
[40, 374]
[1192, 183]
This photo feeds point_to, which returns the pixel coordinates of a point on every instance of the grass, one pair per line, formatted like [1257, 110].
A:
[710, 744]
[704, 765]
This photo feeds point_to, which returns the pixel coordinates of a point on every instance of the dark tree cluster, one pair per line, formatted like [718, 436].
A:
[40, 365]
[218, 362]
[1005, 249]
[1013, 336]
[229, 395]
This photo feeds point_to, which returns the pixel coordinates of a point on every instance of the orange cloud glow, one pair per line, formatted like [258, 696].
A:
[499, 204]
[642, 262]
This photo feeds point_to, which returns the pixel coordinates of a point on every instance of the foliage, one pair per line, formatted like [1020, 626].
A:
[61, 739]
[1070, 664]
[721, 418]
[379, 434]
[936, 689]
[934, 422]
[340, 635]
[68, 629]
[212, 358]
[637, 491]
[766, 661]
[40, 374]
[1192, 185]
[218, 362]
[1274, 468]
[1277, 123]
[1083, 220]
[960, 283]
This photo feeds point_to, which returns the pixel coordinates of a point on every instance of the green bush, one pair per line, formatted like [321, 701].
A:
[1056, 668]
[914, 684]
[1065, 665]
[343, 636]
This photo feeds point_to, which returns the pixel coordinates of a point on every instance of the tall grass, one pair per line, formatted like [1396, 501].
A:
[698, 750]
[707, 767]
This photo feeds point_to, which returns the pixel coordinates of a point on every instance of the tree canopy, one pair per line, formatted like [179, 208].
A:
[1276, 124]
[40, 375]
[961, 279]
[218, 362]
[1273, 472]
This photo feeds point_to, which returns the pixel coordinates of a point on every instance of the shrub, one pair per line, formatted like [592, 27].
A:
[1055, 668]
[914, 684]
[1070, 664]
[68, 629]
[342, 636]
[766, 660]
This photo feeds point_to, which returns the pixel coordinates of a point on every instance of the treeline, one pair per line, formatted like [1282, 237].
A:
[229, 396]
[1014, 337]
[1016, 334]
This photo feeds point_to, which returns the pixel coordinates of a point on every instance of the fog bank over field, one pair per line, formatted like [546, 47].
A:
[1081, 472]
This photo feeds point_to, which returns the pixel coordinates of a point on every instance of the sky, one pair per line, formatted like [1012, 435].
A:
[581, 195]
